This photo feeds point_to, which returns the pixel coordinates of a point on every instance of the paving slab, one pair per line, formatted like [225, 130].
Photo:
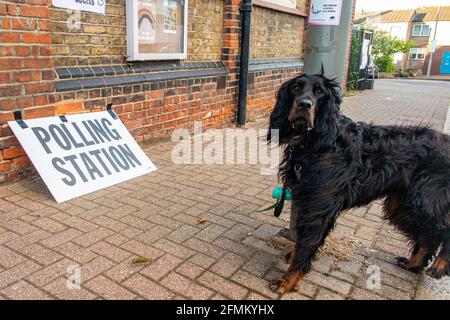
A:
[198, 226]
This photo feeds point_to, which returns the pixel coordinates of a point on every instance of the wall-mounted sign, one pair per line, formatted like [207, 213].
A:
[97, 6]
[86, 153]
[433, 46]
[364, 54]
[157, 29]
[325, 12]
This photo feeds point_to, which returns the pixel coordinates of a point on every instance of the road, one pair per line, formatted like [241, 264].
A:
[402, 101]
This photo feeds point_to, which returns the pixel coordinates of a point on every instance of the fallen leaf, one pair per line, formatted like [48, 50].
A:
[141, 260]
[201, 220]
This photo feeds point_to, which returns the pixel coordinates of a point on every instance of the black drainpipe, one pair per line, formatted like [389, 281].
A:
[246, 14]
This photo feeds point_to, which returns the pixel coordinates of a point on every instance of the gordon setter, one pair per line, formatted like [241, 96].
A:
[331, 163]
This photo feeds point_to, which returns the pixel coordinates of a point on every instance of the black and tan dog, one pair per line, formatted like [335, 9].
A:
[332, 164]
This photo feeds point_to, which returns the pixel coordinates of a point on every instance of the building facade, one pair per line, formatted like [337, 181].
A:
[427, 27]
[56, 61]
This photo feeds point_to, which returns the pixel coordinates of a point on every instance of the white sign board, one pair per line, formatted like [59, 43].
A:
[284, 3]
[364, 54]
[433, 46]
[86, 153]
[325, 12]
[97, 6]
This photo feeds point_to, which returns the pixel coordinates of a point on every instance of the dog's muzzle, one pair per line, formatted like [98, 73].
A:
[304, 104]
[301, 116]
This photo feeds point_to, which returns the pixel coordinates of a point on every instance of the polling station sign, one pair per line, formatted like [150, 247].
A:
[325, 12]
[97, 6]
[79, 154]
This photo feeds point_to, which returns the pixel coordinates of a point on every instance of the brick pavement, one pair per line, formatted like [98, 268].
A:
[233, 254]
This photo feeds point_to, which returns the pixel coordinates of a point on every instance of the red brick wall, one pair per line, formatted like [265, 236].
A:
[154, 109]
[437, 59]
[274, 34]
[263, 87]
[26, 74]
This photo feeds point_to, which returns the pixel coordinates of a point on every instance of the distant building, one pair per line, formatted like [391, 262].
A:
[422, 25]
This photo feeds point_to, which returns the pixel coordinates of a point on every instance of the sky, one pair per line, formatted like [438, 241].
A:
[377, 5]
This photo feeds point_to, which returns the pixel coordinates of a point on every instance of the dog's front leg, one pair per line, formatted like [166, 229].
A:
[310, 235]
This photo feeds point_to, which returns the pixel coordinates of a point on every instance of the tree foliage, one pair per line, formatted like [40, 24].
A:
[383, 48]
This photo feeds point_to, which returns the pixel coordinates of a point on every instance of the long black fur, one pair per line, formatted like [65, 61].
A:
[341, 164]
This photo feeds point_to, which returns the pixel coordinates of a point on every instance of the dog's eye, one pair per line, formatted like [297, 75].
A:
[318, 91]
[297, 88]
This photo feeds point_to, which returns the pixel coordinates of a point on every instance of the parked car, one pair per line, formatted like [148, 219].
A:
[373, 70]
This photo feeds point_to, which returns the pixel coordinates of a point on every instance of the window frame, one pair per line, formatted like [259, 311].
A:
[421, 26]
[132, 33]
[418, 51]
[393, 34]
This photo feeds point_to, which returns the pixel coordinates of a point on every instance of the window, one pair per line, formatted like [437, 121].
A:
[157, 29]
[417, 53]
[396, 32]
[421, 30]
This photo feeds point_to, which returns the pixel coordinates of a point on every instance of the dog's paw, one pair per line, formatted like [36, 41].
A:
[435, 273]
[279, 286]
[403, 262]
[287, 283]
[440, 268]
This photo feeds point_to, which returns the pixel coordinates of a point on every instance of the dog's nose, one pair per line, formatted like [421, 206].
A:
[305, 104]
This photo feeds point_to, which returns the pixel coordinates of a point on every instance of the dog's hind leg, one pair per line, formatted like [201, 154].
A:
[441, 266]
[419, 259]
[396, 211]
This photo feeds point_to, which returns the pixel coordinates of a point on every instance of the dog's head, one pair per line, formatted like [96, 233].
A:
[300, 102]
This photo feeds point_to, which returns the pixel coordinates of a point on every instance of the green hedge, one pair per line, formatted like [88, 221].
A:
[385, 63]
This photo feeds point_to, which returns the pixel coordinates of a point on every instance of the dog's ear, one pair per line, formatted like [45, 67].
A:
[279, 116]
[326, 117]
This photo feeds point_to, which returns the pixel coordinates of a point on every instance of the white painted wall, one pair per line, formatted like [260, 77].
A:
[398, 57]
[398, 29]
[442, 33]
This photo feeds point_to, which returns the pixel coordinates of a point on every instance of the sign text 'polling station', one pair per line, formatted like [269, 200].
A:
[81, 153]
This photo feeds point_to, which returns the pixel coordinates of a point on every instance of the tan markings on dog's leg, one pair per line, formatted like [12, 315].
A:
[291, 257]
[417, 259]
[289, 282]
[439, 264]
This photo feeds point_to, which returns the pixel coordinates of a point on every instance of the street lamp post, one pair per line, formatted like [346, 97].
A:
[430, 61]
[328, 44]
